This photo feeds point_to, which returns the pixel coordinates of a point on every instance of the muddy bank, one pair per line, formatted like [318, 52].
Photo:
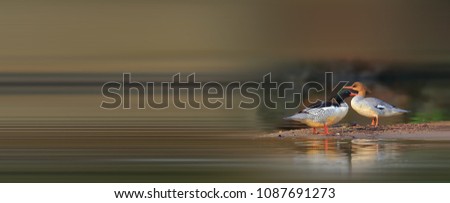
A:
[423, 131]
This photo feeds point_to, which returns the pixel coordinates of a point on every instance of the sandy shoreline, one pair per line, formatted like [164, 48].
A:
[423, 131]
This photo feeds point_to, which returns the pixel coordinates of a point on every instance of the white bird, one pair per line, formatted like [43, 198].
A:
[371, 107]
[324, 114]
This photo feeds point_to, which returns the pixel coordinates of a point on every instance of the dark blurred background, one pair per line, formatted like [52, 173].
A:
[214, 36]
[55, 52]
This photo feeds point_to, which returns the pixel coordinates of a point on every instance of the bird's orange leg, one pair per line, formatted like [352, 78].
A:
[314, 131]
[373, 121]
[325, 127]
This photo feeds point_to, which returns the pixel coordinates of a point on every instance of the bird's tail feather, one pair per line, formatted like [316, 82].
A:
[296, 117]
[401, 110]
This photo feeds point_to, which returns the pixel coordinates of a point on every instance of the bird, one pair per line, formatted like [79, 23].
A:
[371, 107]
[324, 114]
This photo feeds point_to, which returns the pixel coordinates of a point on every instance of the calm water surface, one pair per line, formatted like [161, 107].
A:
[141, 154]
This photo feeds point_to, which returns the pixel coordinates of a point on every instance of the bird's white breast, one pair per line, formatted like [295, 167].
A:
[362, 107]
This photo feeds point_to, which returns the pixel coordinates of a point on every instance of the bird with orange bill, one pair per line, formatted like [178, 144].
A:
[371, 107]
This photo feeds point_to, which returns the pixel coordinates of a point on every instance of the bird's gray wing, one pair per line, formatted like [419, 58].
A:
[314, 111]
[378, 103]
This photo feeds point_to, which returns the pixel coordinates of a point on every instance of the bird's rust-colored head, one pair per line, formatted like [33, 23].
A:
[359, 87]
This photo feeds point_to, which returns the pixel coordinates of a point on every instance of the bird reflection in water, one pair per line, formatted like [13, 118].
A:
[343, 156]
